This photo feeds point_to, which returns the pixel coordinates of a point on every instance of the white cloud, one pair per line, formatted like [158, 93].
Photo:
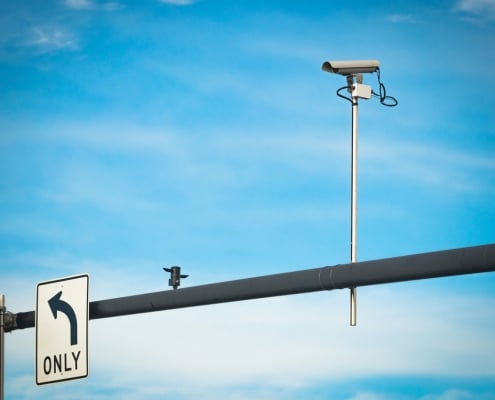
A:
[79, 4]
[451, 394]
[238, 161]
[484, 9]
[414, 162]
[112, 6]
[47, 39]
[90, 5]
[222, 155]
[400, 18]
[178, 2]
[31, 32]
[368, 396]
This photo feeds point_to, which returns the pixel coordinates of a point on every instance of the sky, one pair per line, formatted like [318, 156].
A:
[203, 133]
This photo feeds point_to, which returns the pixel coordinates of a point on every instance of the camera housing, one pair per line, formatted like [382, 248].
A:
[351, 67]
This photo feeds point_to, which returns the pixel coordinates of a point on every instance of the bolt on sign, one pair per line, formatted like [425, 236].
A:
[62, 329]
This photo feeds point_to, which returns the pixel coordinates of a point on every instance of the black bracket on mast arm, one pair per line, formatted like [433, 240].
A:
[175, 276]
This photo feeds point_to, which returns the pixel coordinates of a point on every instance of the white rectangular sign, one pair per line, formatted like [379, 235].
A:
[62, 329]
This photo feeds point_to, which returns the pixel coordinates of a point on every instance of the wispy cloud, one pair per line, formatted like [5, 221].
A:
[79, 4]
[456, 394]
[29, 32]
[400, 18]
[368, 396]
[233, 158]
[51, 38]
[91, 5]
[449, 394]
[482, 9]
[178, 2]
[46, 39]
[414, 162]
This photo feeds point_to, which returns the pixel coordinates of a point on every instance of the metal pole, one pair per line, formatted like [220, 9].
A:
[468, 260]
[2, 345]
[354, 168]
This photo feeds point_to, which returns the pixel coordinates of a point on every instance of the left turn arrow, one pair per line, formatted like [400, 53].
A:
[57, 304]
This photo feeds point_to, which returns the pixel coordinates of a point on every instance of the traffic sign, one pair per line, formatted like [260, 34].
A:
[62, 329]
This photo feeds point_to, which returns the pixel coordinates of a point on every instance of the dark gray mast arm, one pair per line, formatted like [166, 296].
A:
[468, 260]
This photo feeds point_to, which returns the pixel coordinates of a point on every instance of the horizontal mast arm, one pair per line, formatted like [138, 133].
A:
[468, 260]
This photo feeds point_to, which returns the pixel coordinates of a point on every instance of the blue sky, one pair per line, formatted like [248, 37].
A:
[138, 135]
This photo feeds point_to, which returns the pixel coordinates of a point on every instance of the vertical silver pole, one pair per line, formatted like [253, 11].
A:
[2, 346]
[354, 200]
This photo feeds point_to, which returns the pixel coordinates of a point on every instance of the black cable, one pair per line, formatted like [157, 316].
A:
[388, 101]
[341, 95]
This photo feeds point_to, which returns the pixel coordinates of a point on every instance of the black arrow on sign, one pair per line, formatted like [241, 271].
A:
[56, 304]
